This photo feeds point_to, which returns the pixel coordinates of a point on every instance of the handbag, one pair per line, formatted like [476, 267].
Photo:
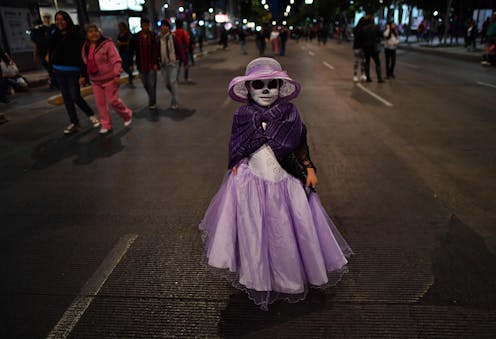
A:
[10, 70]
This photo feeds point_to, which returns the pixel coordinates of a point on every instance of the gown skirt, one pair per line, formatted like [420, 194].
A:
[269, 236]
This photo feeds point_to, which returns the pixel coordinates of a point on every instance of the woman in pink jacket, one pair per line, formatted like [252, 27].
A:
[104, 67]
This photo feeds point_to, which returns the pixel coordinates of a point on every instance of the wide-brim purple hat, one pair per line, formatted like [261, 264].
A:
[261, 69]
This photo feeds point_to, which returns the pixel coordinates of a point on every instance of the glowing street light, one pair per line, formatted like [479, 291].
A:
[210, 10]
[181, 9]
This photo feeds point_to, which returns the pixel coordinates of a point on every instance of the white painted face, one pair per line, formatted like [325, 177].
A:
[264, 92]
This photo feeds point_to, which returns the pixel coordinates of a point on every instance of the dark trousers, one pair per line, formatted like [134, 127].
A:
[149, 80]
[126, 67]
[390, 61]
[374, 54]
[189, 57]
[68, 83]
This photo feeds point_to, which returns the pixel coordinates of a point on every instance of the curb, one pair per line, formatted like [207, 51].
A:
[433, 51]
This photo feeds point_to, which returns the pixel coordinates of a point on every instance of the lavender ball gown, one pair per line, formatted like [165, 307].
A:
[268, 236]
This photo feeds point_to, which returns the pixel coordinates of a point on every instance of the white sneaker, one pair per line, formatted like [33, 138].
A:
[71, 129]
[174, 106]
[127, 123]
[355, 79]
[152, 107]
[363, 78]
[104, 130]
[94, 121]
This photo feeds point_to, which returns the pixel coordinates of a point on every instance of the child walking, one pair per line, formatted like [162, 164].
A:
[104, 66]
[266, 229]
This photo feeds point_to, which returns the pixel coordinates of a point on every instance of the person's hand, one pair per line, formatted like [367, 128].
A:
[186, 66]
[155, 67]
[82, 81]
[131, 67]
[234, 170]
[117, 80]
[311, 178]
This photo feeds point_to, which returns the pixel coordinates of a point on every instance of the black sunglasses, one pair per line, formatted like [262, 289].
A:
[259, 84]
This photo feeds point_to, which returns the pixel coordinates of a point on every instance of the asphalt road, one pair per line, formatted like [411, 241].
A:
[99, 234]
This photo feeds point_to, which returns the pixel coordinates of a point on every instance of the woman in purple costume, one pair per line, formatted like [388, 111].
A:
[266, 230]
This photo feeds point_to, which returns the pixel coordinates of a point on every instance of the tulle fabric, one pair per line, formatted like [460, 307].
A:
[271, 239]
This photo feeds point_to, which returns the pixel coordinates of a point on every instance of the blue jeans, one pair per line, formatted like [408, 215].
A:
[68, 82]
[149, 80]
[169, 72]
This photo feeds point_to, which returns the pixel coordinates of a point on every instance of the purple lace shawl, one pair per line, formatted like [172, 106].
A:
[283, 134]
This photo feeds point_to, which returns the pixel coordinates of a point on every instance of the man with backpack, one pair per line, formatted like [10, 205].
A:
[171, 52]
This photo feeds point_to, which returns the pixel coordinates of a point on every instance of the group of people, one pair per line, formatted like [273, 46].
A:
[277, 38]
[75, 58]
[368, 42]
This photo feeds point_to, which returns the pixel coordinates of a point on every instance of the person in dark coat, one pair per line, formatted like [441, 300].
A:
[69, 69]
[370, 38]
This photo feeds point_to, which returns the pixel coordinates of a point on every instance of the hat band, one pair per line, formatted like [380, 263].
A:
[262, 70]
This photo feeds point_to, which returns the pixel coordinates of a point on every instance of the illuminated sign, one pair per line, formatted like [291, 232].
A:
[119, 5]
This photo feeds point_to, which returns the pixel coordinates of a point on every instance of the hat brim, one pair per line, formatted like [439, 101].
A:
[289, 89]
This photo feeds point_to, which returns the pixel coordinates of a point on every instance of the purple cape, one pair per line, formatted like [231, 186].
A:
[283, 134]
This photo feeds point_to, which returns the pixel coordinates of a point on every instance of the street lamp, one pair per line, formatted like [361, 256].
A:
[210, 10]
[308, 2]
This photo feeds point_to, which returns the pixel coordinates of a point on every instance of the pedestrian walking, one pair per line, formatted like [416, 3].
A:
[284, 39]
[40, 36]
[223, 38]
[471, 35]
[370, 39]
[260, 41]
[275, 41]
[68, 67]
[144, 46]
[171, 53]
[191, 48]
[266, 230]
[358, 52]
[390, 44]
[122, 42]
[183, 38]
[485, 27]
[104, 66]
[242, 40]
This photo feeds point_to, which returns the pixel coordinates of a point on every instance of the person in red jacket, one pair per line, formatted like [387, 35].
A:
[182, 38]
[104, 67]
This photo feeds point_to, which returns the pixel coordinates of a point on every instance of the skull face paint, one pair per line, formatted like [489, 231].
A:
[264, 92]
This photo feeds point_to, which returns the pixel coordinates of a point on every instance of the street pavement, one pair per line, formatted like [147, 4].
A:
[100, 234]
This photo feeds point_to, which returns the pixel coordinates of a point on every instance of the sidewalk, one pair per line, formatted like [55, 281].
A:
[434, 47]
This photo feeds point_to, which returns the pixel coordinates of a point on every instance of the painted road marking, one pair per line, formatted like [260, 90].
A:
[485, 84]
[89, 291]
[384, 101]
[327, 65]
[311, 53]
